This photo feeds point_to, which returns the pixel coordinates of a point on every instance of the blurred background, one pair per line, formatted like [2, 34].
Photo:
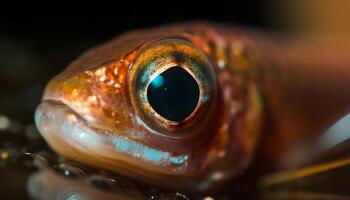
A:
[34, 46]
[36, 43]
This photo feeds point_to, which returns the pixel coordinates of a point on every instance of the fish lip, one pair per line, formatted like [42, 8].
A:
[71, 136]
[54, 114]
[47, 102]
[68, 133]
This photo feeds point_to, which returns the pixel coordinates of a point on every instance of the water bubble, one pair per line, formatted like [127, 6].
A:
[68, 170]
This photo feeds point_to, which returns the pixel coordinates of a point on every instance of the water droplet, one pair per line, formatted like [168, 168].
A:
[68, 170]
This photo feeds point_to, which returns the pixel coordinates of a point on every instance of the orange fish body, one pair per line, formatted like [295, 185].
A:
[186, 106]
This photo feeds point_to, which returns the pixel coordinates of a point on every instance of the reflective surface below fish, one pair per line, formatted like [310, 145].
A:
[194, 103]
[326, 178]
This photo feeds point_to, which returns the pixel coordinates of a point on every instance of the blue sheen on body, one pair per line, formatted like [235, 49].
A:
[146, 153]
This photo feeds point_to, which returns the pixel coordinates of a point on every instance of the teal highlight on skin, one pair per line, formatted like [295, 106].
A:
[178, 160]
[146, 153]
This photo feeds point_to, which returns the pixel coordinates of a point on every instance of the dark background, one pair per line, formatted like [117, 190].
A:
[36, 43]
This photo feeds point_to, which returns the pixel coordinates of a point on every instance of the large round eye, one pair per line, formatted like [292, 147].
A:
[172, 86]
[173, 94]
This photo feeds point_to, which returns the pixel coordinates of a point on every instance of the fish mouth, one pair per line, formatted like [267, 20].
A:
[69, 134]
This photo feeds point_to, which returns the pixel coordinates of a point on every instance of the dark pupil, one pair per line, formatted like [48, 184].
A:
[173, 94]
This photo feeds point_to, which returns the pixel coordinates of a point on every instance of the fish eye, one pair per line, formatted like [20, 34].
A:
[172, 86]
[173, 94]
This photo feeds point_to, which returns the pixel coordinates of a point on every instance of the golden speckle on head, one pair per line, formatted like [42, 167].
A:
[75, 92]
[89, 73]
[92, 99]
[115, 71]
[117, 85]
[102, 78]
[100, 72]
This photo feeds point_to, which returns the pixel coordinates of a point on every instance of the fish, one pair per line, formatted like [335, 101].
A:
[189, 106]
